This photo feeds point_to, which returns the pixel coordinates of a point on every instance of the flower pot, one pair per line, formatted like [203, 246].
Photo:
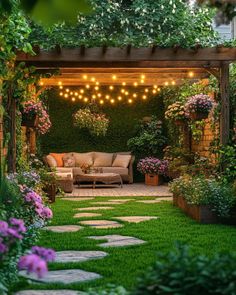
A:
[29, 120]
[154, 180]
[179, 122]
[198, 116]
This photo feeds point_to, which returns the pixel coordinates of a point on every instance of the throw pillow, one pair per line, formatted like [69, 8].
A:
[51, 161]
[121, 161]
[82, 159]
[58, 158]
[68, 160]
[102, 159]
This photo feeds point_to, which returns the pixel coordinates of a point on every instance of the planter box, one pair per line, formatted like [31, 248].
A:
[29, 120]
[201, 213]
[153, 179]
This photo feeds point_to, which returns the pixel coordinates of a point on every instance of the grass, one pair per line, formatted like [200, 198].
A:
[123, 265]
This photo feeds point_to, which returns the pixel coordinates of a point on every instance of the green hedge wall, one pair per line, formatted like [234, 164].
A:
[64, 137]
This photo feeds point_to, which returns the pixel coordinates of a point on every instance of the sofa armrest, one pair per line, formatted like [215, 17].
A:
[130, 167]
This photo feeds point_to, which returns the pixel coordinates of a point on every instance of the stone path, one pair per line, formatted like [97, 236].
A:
[102, 223]
[107, 203]
[50, 292]
[157, 200]
[117, 240]
[94, 208]
[121, 200]
[78, 256]
[136, 219]
[128, 190]
[65, 276]
[77, 199]
[63, 228]
[81, 215]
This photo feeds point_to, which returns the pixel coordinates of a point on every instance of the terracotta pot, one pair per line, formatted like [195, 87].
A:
[29, 120]
[154, 180]
[198, 116]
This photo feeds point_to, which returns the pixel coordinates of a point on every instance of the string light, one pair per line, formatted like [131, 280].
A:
[99, 95]
[107, 96]
[85, 77]
[101, 101]
[135, 84]
[146, 90]
[119, 98]
[114, 77]
[81, 91]
[61, 93]
[85, 99]
[61, 87]
[59, 83]
[66, 95]
[112, 100]
[111, 87]
[126, 93]
[135, 95]
[144, 97]
[41, 83]
[155, 86]
[87, 86]
[67, 90]
[142, 81]
[173, 82]
[130, 100]
[94, 96]
[76, 93]
[124, 83]
[80, 96]
[73, 98]
[154, 91]
[71, 93]
[96, 88]
[143, 76]
[97, 83]
[93, 79]
[191, 74]
[122, 90]
[159, 89]
[166, 83]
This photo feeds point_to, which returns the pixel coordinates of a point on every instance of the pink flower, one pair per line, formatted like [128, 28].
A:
[47, 213]
[32, 263]
[46, 254]
[3, 228]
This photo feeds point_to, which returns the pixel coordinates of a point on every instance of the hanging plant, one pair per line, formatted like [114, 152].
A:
[96, 123]
[198, 106]
[34, 114]
[176, 113]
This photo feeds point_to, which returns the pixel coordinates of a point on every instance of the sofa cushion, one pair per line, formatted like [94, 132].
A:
[69, 160]
[118, 170]
[121, 161]
[77, 171]
[102, 159]
[82, 159]
[64, 170]
[58, 158]
[51, 161]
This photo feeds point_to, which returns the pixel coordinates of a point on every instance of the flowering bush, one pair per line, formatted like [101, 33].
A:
[152, 166]
[95, 122]
[201, 191]
[32, 108]
[175, 112]
[199, 103]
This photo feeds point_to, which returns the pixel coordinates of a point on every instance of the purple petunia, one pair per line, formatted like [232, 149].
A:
[151, 165]
[198, 103]
[46, 254]
[32, 263]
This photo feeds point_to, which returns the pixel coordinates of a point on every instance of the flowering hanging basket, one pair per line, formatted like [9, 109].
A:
[30, 120]
[198, 116]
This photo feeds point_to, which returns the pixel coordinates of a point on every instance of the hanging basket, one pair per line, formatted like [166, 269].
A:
[29, 120]
[198, 116]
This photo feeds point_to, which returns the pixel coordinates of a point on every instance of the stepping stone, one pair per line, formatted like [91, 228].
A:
[77, 199]
[78, 256]
[102, 223]
[63, 228]
[107, 203]
[49, 292]
[121, 200]
[118, 240]
[94, 208]
[79, 215]
[158, 200]
[136, 219]
[66, 276]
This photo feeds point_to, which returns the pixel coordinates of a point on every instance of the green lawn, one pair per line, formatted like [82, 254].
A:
[123, 265]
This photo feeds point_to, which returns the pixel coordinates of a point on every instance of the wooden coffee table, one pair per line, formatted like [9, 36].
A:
[109, 179]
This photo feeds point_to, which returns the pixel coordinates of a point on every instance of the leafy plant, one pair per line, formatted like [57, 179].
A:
[149, 140]
[227, 159]
[182, 272]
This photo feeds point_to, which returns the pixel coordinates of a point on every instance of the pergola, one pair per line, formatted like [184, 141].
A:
[158, 65]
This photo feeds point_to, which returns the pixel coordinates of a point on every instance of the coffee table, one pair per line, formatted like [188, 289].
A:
[109, 179]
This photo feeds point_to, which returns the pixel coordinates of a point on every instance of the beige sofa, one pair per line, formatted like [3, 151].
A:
[120, 162]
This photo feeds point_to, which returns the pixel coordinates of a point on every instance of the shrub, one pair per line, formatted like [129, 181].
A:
[180, 272]
[201, 191]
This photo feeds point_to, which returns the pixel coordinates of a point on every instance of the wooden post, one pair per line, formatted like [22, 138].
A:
[12, 130]
[224, 113]
[1, 136]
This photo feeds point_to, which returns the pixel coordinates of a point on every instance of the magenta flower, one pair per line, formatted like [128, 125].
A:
[32, 263]
[47, 213]
[3, 228]
[154, 166]
[46, 254]
[18, 224]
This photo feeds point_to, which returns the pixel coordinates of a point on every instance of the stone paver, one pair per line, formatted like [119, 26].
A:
[157, 200]
[117, 240]
[84, 214]
[102, 223]
[121, 200]
[77, 199]
[136, 219]
[49, 292]
[66, 276]
[107, 203]
[63, 228]
[128, 190]
[78, 256]
[94, 208]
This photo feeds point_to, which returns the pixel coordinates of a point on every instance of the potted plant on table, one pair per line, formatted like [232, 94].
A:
[153, 169]
[198, 106]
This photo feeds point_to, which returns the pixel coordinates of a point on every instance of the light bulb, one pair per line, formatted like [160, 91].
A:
[144, 96]
[119, 98]
[111, 87]
[87, 86]
[93, 96]
[143, 76]
[81, 90]
[130, 100]
[61, 87]
[76, 93]
[66, 95]
[67, 90]
[126, 93]
[112, 100]
[99, 95]
[154, 91]
[61, 93]
[97, 83]
[159, 89]
[134, 95]
[114, 77]
[73, 98]
[93, 79]
[122, 90]
[123, 83]
[85, 77]
[173, 82]
[85, 99]
[107, 96]
[166, 83]
[71, 93]
[41, 83]
[101, 101]
[146, 90]
[155, 86]
[135, 84]
[191, 74]
[59, 83]
[80, 96]
[142, 81]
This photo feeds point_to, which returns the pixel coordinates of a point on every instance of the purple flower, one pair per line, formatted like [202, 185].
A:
[47, 213]
[32, 263]
[3, 247]
[3, 228]
[18, 224]
[13, 233]
[46, 254]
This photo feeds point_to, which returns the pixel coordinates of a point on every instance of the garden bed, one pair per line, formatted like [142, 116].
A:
[202, 213]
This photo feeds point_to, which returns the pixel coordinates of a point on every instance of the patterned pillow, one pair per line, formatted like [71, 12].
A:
[69, 161]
